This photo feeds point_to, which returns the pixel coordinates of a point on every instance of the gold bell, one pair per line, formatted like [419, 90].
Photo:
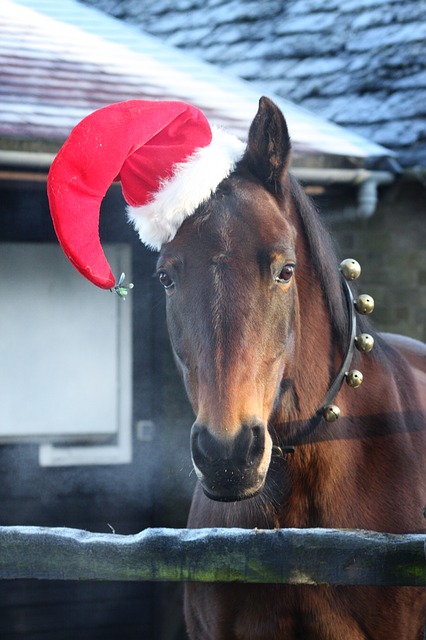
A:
[350, 268]
[364, 304]
[364, 342]
[331, 412]
[354, 378]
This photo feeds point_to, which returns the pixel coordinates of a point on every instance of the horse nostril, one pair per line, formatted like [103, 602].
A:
[245, 449]
[205, 447]
[257, 444]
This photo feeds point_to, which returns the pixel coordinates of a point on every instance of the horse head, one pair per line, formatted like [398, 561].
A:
[228, 263]
[231, 298]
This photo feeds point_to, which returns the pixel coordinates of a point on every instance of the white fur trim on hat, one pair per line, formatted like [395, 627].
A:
[193, 182]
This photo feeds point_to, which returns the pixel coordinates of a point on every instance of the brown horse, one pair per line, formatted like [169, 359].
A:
[263, 327]
[259, 321]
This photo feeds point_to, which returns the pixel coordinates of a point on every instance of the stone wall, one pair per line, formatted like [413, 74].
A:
[391, 248]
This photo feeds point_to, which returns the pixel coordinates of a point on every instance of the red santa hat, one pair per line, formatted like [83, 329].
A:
[166, 155]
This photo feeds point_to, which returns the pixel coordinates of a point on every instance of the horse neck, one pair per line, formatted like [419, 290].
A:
[334, 455]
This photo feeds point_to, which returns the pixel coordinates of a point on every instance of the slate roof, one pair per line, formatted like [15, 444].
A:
[360, 63]
[61, 60]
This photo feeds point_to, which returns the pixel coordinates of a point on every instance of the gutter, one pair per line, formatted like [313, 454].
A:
[33, 159]
[22, 165]
[368, 183]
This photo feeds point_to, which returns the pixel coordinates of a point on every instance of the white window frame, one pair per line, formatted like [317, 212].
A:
[38, 283]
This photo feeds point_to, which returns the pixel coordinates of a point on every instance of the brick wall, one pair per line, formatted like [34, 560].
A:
[391, 248]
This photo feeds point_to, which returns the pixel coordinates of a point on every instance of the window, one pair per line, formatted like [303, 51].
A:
[65, 357]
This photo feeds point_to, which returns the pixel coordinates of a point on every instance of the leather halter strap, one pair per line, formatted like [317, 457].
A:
[340, 376]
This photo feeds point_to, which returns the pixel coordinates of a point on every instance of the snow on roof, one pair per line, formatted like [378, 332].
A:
[62, 60]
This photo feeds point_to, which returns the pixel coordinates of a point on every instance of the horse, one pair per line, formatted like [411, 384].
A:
[261, 325]
[266, 328]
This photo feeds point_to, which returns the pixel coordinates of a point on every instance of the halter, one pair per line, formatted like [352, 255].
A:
[363, 304]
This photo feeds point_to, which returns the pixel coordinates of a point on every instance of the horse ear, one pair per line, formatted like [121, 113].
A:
[268, 149]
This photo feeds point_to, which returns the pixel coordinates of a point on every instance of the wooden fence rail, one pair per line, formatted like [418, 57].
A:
[292, 556]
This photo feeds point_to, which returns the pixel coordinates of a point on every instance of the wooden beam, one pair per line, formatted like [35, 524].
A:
[291, 556]
[22, 176]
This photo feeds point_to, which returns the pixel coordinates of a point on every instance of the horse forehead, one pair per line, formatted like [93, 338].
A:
[232, 228]
[251, 220]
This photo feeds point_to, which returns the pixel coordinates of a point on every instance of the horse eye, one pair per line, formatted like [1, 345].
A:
[165, 280]
[285, 274]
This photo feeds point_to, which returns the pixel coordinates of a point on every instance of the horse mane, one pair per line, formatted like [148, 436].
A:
[323, 256]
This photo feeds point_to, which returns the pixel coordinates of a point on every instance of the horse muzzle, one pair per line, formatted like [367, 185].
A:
[232, 468]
